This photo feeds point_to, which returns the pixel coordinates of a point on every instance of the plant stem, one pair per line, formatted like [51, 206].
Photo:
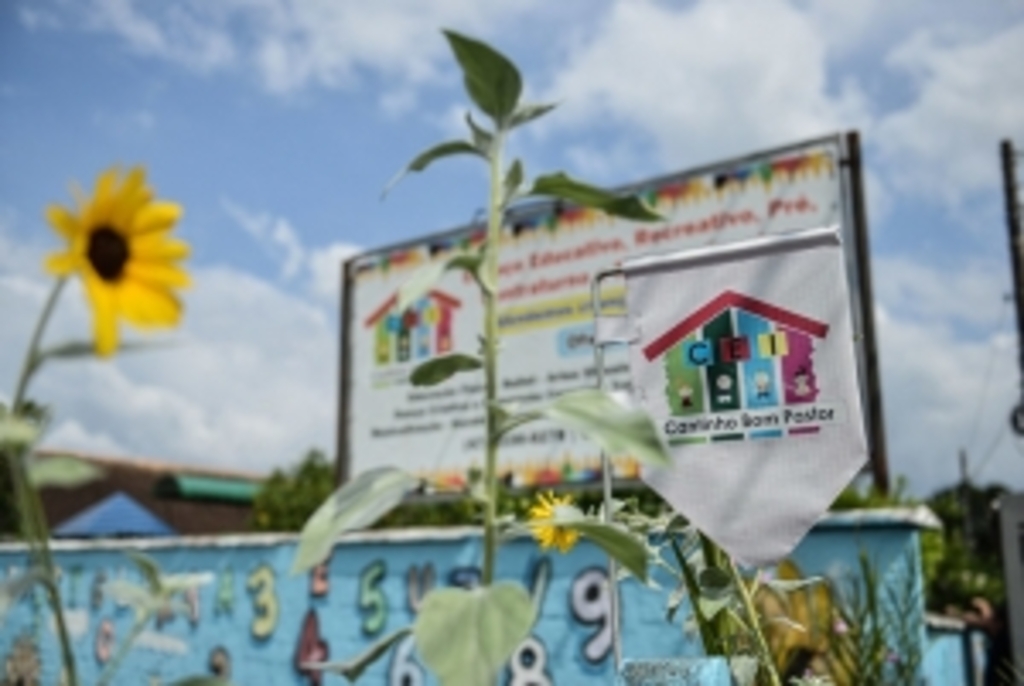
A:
[31, 355]
[33, 518]
[490, 297]
[764, 654]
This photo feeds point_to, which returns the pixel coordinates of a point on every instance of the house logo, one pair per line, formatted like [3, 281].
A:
[740, 368]
[424, 330]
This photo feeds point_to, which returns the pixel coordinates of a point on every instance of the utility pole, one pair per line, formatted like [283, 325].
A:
[965, 501]
[1009, 160]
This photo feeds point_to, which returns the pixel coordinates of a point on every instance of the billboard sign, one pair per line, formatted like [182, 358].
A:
[549, 255]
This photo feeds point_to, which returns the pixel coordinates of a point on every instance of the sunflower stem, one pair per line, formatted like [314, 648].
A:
[490, 296]
[33, 517]
[31, 363]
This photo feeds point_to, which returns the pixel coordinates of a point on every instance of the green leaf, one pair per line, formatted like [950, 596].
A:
[202, 681]
[513, 179]
[148, 567]
[428, 156]
[61, 471]
[424, 278]
[433, 372]
[714, 582]
[139, 597]
[710, 607]
[354, 668]
[356, 505]
[627, 549]
[675, 599]
[744, 669]
[491, 79]
[11, 589]
[482, 138]
[560, 185]
[787, 585]
[17, 432]
[527, 113]
[618, 429]
[509, 423]
[466, 636]
[176, 583]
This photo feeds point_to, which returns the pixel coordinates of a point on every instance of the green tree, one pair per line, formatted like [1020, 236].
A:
[287, 499]
[971, 565]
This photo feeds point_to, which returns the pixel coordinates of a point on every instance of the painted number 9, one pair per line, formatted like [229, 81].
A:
[591, 604]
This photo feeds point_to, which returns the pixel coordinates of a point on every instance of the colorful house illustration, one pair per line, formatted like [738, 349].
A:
[739, 353]
[422, 331]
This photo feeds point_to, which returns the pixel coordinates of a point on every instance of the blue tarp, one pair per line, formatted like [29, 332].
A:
[117, 515]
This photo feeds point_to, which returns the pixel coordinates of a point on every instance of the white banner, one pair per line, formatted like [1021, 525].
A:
[548, 258]
[744, 357]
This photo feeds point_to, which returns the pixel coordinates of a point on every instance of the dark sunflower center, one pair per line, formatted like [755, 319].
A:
[108, 253]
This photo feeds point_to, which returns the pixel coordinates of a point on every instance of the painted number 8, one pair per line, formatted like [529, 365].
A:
[592, 605]
[528, 665]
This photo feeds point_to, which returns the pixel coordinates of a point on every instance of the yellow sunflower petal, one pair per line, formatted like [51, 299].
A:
[103, 198]
[156, 216]
[132, 195]
[147, 306]
[63, 221]
[157, 274]
[103, 299]
[61, 263]
[157, 247]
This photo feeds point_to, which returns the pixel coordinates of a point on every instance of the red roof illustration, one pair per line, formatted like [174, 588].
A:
[727, 299]
[442, 298]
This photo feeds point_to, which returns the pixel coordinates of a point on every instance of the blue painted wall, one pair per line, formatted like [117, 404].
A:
[258, 623]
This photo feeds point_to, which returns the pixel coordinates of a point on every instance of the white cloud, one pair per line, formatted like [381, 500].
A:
[969, 295]
[325, 265]
[934, 384]
[709, 80]
[275, 235]
[944, 389]
[69, 434]
[177, 34]
[250, 382]
[944, 143]
[293, 44]
[319, 268]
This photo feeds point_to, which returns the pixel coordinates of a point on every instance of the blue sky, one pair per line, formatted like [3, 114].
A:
[277, 122]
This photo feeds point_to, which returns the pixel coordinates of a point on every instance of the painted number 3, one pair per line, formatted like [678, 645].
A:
[264, 601]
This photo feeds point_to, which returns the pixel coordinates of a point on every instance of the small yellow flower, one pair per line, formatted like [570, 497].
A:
[118, 242]
[547, 534]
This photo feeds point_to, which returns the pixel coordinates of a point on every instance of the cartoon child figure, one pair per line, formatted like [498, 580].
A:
[686, 395]
[802, 378]
[762, 385]
[724, 384]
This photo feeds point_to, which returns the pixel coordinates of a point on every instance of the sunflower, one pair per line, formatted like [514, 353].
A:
[547, 534]
[118, 242]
